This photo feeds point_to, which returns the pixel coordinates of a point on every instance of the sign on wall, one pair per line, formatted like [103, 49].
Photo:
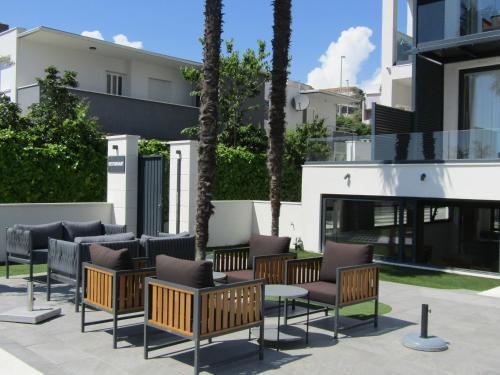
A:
[116, 164]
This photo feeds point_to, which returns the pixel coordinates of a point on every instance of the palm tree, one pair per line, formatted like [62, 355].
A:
[279, 73]
[208, 121]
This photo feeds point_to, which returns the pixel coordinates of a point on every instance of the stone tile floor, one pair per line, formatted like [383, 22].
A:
[470, 322]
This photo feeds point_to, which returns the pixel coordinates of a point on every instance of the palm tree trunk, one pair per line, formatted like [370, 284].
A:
[281, 43]
[208, 121]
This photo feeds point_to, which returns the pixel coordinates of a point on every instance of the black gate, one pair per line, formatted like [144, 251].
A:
[150, 195]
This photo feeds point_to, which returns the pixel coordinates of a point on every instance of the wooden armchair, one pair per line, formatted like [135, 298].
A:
[201, 314]
[264, 259]
[116, 292]
[344, 276]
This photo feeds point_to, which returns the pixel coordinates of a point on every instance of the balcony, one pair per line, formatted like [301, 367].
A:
[125, 115]
[459, 145]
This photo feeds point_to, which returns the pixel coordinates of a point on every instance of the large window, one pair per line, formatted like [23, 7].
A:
[114, 83]
[477, 16]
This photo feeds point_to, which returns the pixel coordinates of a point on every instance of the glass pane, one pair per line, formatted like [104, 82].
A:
[120, 85]
[114, 85]
[482, 98]
[108, 84]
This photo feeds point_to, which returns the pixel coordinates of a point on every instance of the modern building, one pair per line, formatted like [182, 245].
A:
[130, 90]
[371, 99]
[304, 104]
[427, 192]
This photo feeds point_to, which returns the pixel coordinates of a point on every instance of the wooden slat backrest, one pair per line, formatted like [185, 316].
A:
[358, 284]
[131, 290]
[272, 268]
[171, 308]
[231, 260]
[303, 271]
[230, 307]
[98, 288]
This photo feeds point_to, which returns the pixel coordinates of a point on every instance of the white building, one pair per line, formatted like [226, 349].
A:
[131, 90]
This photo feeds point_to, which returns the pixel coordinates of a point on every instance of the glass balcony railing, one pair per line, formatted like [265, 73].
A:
[476, 144]
[403, 48]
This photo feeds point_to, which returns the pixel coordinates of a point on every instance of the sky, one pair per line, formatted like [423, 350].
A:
[322, 30]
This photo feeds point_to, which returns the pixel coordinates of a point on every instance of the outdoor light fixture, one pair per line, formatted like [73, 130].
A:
[423, 176]
[115, 147]
[347, 176]
[92, 48]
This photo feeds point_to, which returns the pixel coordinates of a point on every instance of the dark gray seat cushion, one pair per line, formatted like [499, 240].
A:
[109, 258]
[267, 245]
[237, 276]
[173, 235]
[73, 229]
[40, 233]
[106, 238]
[195, 274]
[321, 291]
[343, 255]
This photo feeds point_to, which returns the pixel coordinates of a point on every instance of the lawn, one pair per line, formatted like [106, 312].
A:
[22, 269]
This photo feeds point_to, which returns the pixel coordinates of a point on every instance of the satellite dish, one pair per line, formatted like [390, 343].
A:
[300, 102]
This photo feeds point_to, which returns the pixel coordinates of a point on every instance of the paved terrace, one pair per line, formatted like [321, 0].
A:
[470, 322]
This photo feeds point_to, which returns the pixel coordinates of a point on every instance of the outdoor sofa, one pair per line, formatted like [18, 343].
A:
[66, 254]
[264, 259]
[183, 301]
[344, 276]
[180, 245]
[114, 283]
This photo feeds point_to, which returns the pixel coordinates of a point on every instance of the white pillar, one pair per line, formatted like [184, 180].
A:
[122, 183]
[187, 153]
[409, 18]
[388, 50]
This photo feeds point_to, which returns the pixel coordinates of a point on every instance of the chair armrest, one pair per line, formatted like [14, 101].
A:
[63, 257]
[231, 259]
[301, 271]
[271, 267]
[356, 284]
[19, 241]
[114, 228]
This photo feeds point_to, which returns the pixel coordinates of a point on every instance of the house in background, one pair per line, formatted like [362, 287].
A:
[131, 91]
[304, 104]
[427, 192]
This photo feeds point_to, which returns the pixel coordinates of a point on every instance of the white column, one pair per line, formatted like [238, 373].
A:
[409, 17]
[122, 186]
[187, 153]
[388, 50]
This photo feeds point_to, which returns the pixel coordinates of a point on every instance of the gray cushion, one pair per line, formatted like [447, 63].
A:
[73, 229]
[109, 258]
[267, 245]
[343, 255]
[173, 235]
[40, 233]
[106, 238]
[195, 274]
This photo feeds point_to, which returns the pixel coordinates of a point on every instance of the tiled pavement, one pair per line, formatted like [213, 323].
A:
[470, 322]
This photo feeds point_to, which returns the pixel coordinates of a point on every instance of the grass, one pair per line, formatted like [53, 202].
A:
[430, 279]
[22, 269]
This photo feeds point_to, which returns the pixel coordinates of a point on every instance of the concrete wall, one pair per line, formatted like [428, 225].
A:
[8, 51]
[451, 88]
[39, 213]
[235, 221]
[453, 181]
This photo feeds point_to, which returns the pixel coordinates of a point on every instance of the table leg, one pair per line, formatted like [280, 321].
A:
[279, 320]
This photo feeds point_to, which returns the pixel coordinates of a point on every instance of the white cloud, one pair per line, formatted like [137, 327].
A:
[96, 34]
[123, 40]
[372, 85]
[353, 43]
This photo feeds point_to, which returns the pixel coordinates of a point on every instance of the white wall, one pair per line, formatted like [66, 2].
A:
[8, 48]
[290, 219]
[451, 88]
[454, 181]
[40, 213]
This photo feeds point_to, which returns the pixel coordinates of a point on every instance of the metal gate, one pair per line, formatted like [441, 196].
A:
[150, 195]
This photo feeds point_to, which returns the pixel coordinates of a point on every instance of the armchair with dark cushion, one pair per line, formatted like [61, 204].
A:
[113, 283]
[66, 256]
[183, 301]
[180, 245]
[263, 259]
[344, 276]
[28, 244]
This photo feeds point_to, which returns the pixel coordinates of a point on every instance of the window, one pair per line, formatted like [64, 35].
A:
[436, 214]
[159, 90]
[114, 84]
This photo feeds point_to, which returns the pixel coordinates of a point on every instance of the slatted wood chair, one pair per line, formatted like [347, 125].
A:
[201, 314]
[120, 293]
[344, 276]
[264, 259]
